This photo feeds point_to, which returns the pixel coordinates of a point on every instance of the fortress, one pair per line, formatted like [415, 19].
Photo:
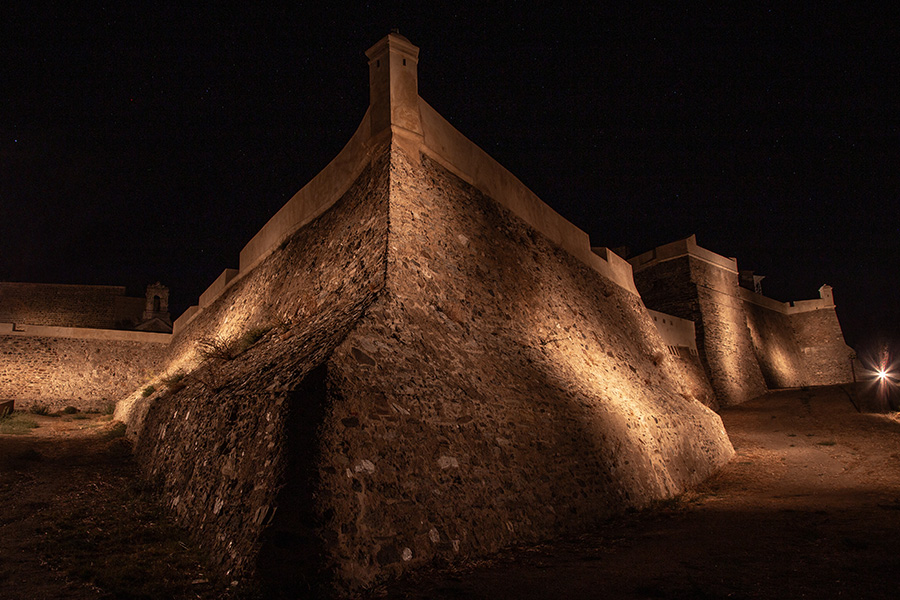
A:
[417, 360]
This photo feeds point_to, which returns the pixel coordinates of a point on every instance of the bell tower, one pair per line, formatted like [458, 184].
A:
[156, 315]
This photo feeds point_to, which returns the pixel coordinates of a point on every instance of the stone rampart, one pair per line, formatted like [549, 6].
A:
[775, 346]
[747, 342]
[408, 368]
[229, 433]
[825, 356]
[91, 306]
[693, 283]
[89, 369]
[415, 379]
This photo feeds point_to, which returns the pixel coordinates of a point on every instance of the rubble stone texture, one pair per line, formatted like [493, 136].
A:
[89, 374]
[92, 306]
[439, 381]
[747, 343]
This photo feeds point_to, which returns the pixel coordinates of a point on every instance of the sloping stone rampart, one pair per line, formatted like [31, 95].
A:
[725, 346]
[497, 390]
[500, 392]
[222, 440]
[825, 356]
[747, 342]
[775, 347]
[417, 373]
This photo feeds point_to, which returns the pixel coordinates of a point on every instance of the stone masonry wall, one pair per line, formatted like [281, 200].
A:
[694, 289]
[500, 392]
[723, 336]
[825, 355]
[89, 374]
[92, 306]
[776, 348]
[228, 436]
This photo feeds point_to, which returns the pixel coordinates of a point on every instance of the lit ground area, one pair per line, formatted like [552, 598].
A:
[809, 508]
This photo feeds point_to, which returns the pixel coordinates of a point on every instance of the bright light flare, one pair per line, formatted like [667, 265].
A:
[881, 374]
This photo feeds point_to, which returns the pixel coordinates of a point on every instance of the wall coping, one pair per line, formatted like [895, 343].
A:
[686, 247]
[787, 308]
[83, 333]
[23, 284]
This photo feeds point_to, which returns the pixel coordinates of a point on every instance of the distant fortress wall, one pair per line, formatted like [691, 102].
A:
[93, 306]
[747, 342]
[89, 369]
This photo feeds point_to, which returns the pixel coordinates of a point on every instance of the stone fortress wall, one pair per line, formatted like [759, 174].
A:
[91, 306]
[426, 333]
[747, 342]
[90, 369]
[419, 360]
[72, 345]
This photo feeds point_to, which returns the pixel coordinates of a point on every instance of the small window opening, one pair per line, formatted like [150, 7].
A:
[156, 303]
[377, 63]
[404, 62]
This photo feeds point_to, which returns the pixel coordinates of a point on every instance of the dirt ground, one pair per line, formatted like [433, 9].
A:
[808, 508]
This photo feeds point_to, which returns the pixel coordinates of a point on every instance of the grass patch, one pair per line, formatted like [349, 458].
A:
[826, 443]
[147, 391]
[175, 382]
[69, 410]
[39, 409]
[229, 349]
[16, 423]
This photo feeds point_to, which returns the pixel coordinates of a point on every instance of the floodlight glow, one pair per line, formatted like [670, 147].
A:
[881, 374]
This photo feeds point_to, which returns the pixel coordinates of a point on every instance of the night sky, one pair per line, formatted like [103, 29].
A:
[148, 144]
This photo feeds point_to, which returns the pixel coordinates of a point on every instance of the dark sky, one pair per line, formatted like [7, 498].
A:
[147, 144]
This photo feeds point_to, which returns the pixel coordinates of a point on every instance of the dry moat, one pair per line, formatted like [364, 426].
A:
[808, 508]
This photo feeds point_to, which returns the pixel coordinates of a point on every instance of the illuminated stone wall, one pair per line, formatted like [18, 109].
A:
[699, 290]
[723, 336]
[56, 369]
[747, 342]
[499, 392]
[227, 438]
[825, 356]
[440, 382]
[91, 306]
[776, 347]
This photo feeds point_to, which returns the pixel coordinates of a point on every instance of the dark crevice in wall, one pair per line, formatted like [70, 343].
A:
[290, 562]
